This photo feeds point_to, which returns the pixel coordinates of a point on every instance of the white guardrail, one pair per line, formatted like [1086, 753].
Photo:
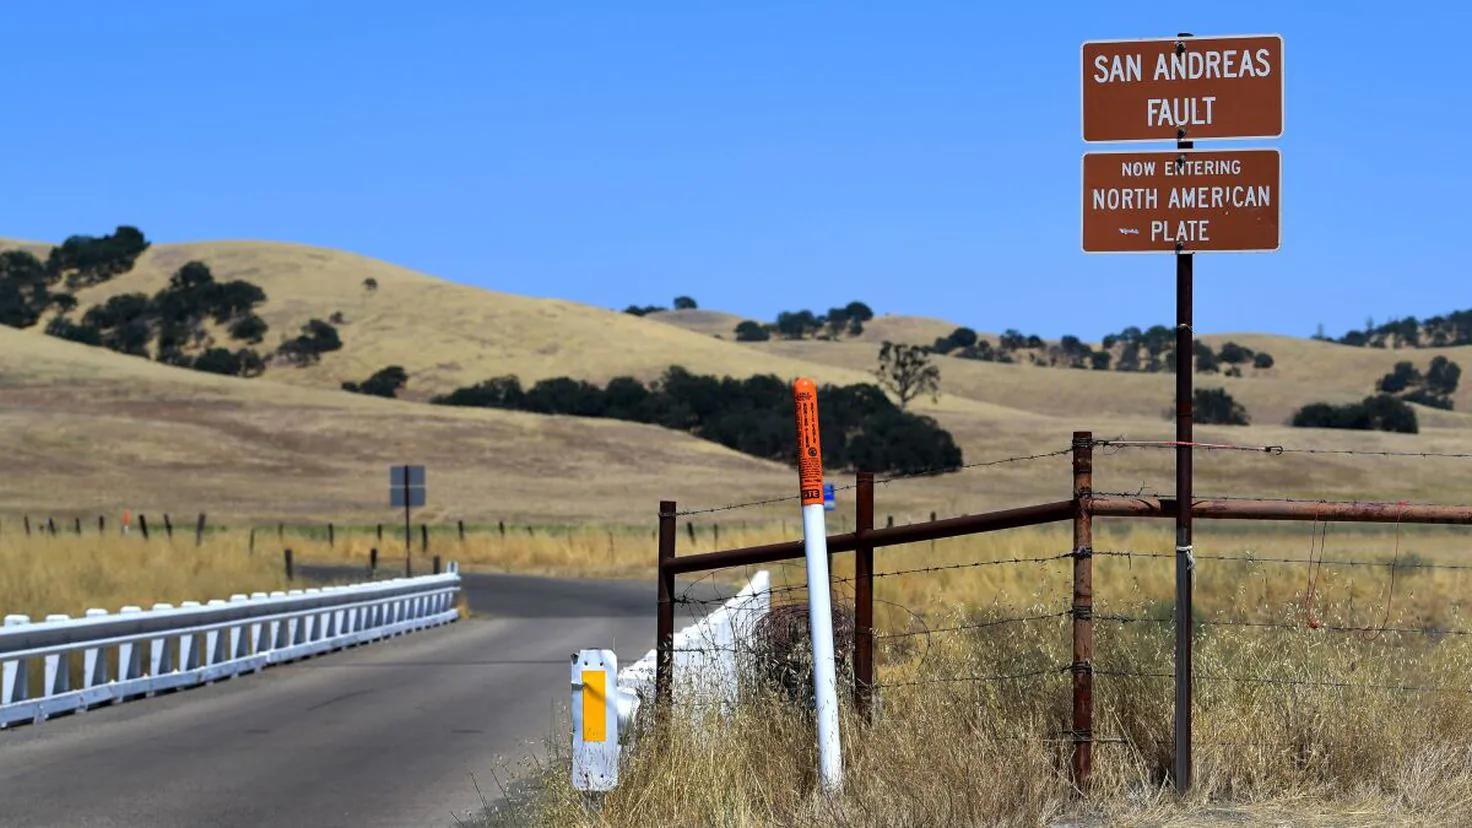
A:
[196, 643]
[709, 653]
[712, 657]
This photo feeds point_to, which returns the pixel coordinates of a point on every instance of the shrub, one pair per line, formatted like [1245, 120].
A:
[63, 328]
[242, 363]
[1206, 362]
[1443, 375]
[645, 310]
[317, 338]
[1214, 406]
[1234, 354]
[385, 382]
[90, 260]
[859, 424]
[25, 289]
[796, 324]
[1404, 376]
[249, 328]
[499, 392]
[1381, 412]
[1262, 360]
[684, 303]
[749, 331]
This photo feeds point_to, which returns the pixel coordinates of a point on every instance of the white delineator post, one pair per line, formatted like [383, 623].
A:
[820, 606]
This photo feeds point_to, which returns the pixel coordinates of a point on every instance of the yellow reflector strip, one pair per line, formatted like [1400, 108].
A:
[595, 706]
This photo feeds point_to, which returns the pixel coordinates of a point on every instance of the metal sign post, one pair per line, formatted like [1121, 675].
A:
[1185, 202]
[1185, 562]
[820, 599]
[406, 489]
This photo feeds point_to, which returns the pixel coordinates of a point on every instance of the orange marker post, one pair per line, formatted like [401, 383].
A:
[820, 599]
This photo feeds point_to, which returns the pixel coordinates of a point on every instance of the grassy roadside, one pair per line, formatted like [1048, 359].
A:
[1347, 706]
[69, 574]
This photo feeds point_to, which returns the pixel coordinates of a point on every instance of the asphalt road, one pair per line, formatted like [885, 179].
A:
[394, 733]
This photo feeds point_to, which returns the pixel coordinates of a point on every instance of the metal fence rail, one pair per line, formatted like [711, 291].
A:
[1085, 506]
[113, 657]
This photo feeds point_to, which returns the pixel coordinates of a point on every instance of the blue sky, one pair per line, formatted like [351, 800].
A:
[923, 157]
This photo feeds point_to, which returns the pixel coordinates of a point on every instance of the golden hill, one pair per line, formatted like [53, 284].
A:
[446, 335]
[86, 428]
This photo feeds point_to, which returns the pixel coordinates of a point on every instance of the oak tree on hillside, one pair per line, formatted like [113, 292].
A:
[906, 371]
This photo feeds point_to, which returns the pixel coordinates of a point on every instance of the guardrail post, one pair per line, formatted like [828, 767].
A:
[94, 659]
[1083, 610]
[664, 662]
[15, 684]
[864, 598]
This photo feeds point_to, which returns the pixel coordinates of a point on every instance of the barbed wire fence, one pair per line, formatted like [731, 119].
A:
[905, 651]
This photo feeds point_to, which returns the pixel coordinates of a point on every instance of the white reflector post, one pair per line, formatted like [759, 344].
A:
[820, 602]
[595, 720]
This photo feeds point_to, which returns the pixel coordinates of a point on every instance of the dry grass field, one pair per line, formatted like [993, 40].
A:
[1348, 706]
[42, 575]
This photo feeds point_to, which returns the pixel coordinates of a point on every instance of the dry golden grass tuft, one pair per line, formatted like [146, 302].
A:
[41, 575]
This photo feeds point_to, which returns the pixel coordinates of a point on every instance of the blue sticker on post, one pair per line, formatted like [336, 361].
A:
[829, 498]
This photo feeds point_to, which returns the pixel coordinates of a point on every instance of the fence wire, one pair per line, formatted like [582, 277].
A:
[881, 481]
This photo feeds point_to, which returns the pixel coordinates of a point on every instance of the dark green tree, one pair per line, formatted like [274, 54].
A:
[1214, 406]
[90, 260]
[749, 331]
[385, 382]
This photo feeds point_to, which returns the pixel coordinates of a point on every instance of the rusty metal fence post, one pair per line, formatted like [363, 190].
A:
[864, 598]
[1083, 610]
[664, 664]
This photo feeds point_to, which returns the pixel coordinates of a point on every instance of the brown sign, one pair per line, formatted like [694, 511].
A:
[1193, 201]
[1183, 88]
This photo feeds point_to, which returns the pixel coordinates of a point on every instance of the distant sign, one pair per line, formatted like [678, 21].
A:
[1193, 201]
[406, 476]
[1183, 88]
[400, 497]
[406, 486]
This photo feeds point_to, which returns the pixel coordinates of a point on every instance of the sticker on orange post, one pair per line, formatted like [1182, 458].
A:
[809, 447]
